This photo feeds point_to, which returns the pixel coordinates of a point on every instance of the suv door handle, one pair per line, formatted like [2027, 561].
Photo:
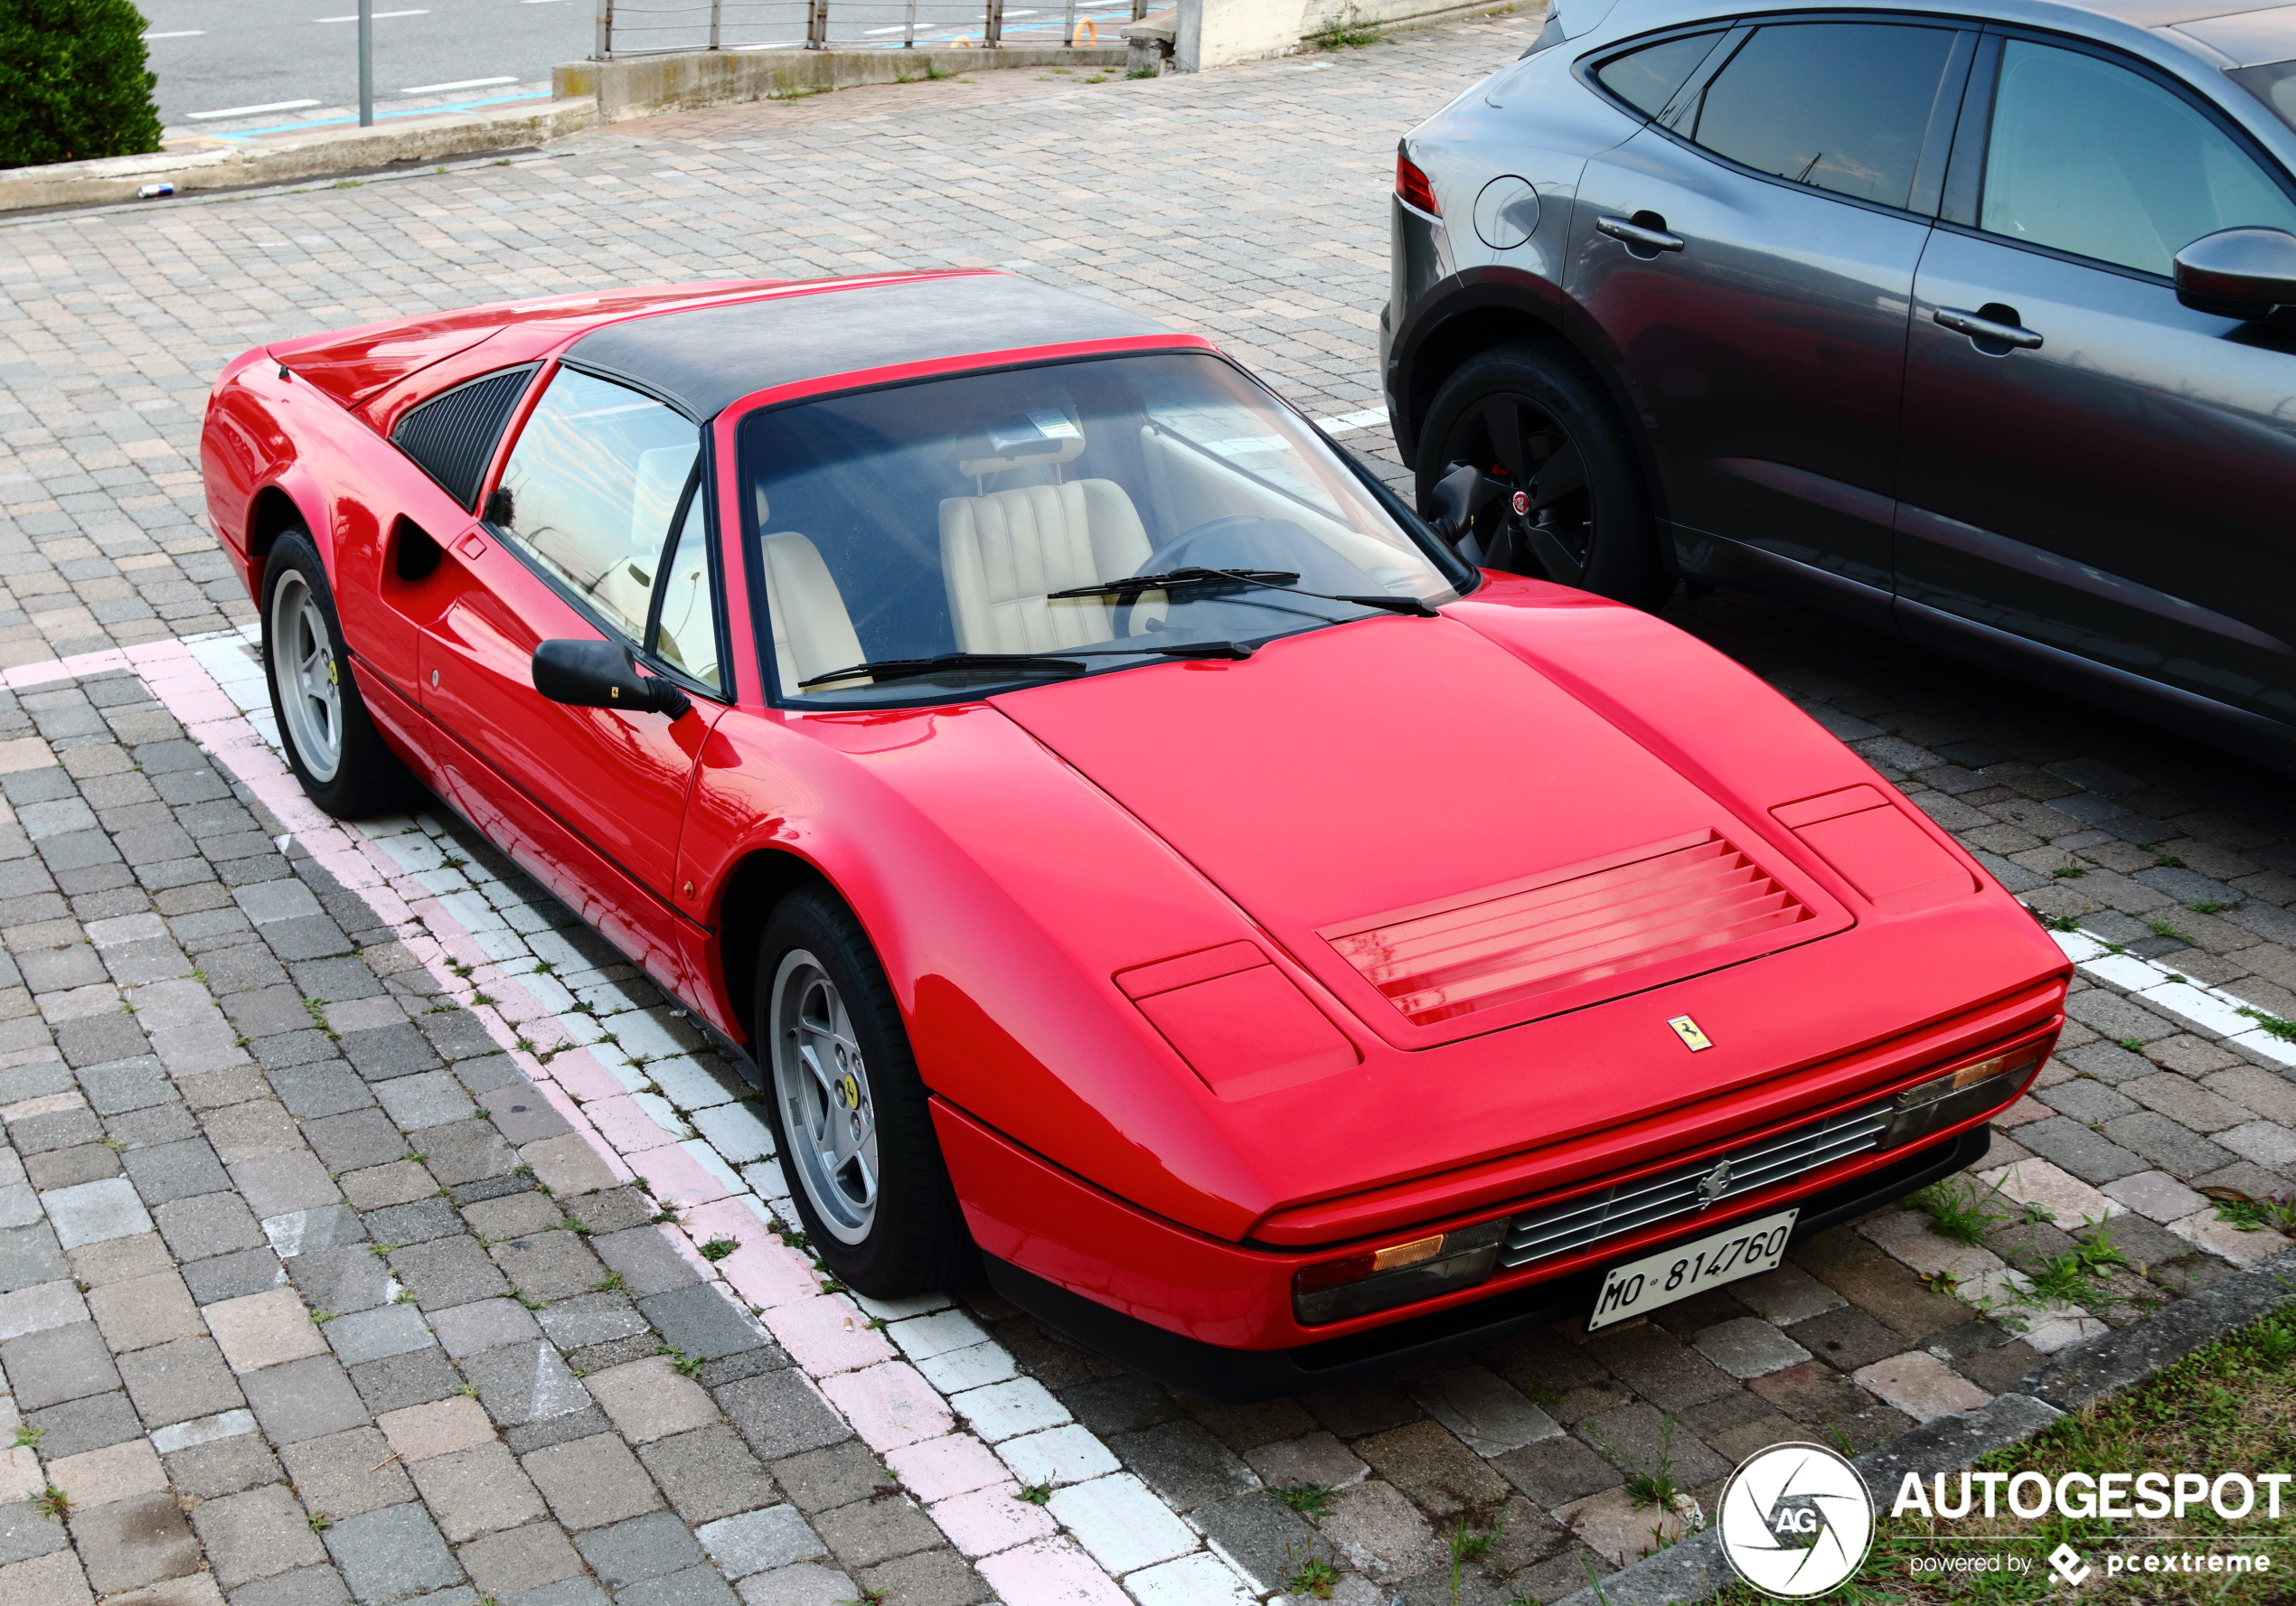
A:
[1638, 236]
[1978, 327]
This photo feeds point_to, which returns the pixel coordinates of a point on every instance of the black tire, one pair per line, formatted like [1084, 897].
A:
[911, 1237]
[355, 775]
[1534, 418]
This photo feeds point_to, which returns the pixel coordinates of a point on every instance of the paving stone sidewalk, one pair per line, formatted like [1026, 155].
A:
[229, 1076]
[303, 1296]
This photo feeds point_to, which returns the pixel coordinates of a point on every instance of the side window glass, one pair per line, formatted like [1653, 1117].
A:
[451, 436]
[1647, 78]
[1837, 105]
[2094, 159]
[685, 629]
[592, 485]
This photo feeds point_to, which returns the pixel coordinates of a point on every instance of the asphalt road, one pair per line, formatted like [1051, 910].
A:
[216, 55]
[299, 57]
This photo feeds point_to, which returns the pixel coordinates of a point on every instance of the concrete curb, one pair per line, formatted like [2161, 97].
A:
[584, 94]
[692, 80]
[2080, 1375]
[326, 154]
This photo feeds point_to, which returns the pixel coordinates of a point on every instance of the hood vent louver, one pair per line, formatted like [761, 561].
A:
[1491, 948]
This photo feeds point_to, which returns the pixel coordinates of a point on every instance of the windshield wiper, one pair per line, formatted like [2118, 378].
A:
[1273, 579]
[904, 669]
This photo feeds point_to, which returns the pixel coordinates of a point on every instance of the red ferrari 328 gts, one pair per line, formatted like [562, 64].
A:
[1133, 849]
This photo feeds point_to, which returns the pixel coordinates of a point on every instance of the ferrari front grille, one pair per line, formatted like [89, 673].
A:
[1579, 923]
[1590, 1218]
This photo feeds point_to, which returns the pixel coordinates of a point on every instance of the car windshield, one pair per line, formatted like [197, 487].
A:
[940, 519]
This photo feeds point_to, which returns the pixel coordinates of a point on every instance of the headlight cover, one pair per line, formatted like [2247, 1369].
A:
[1943, 1099]
[1382, 1279]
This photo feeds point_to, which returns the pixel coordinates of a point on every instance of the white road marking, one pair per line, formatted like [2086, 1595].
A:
[249, 111]
[378, 15]
[178, 33]
[460, 83]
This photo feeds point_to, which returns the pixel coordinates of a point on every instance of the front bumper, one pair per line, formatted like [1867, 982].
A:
[1239, 1375]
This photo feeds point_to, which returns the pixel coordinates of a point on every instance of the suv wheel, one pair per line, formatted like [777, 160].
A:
[1535, 421]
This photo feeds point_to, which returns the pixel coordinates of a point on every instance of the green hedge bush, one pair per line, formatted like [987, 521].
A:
[73, 82]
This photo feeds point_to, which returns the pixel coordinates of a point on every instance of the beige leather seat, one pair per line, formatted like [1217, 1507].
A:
[812, 632]
[1001, 552]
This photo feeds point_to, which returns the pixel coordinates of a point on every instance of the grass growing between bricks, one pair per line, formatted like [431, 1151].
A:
[2230, 1407]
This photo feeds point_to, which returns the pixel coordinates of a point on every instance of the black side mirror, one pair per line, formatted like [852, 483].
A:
[2238, 273]
[1458, 497]
[603, 675]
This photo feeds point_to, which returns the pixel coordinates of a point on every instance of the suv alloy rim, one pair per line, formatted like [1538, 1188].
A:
[1532, 451]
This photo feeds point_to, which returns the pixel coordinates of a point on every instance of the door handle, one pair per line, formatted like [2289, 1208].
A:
[1990, 331]
[1639, 235]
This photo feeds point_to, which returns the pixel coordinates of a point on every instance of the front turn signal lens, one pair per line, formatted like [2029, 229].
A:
[1956, 1094]
[1381, 1279]
[1412, 185]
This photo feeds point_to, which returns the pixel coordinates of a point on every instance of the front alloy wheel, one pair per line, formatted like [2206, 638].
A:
[852, 1121]
[828, 1109]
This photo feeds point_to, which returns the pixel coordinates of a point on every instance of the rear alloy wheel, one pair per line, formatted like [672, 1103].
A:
[330, 742]
[850, 1114]
[1574, 508]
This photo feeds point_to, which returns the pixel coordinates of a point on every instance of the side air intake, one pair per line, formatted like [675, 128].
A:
[451, 436]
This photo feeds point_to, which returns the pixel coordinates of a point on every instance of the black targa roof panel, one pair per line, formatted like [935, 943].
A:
[708, 357]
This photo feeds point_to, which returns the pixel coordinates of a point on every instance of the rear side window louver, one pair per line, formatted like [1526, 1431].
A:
[451, 436]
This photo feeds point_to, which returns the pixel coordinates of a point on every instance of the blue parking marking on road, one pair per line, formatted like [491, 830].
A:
[412, 111]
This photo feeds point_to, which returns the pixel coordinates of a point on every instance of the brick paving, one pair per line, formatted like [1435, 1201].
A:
[369, 1232]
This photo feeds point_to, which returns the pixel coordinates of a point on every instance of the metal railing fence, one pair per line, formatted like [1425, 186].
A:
[636, 29]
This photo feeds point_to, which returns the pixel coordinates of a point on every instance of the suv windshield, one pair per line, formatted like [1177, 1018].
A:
[939, 519]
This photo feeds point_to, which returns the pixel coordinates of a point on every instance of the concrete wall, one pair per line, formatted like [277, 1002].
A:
[686, 80]
[1218, 32]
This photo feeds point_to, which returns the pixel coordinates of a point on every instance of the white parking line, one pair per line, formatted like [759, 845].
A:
[178, 33]
[378, 15]
[249, 111]
[460, 83]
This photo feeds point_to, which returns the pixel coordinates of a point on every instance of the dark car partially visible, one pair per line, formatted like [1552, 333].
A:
[1975, 325]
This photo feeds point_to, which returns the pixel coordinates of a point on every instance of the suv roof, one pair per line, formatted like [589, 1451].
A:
[2225, 29]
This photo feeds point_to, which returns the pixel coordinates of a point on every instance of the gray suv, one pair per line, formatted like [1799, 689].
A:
[1974, 325]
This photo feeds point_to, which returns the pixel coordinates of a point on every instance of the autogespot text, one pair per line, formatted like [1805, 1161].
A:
[2114, 1495]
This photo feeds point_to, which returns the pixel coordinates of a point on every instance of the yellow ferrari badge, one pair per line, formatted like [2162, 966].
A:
[1693, 1036]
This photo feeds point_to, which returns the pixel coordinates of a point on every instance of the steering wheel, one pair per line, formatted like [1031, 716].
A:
[1161, 558]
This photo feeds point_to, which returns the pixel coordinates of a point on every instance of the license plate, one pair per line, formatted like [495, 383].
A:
[1742, 1251]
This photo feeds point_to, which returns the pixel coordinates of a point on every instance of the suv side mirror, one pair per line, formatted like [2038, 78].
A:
[2238, 273]
[603, 675]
